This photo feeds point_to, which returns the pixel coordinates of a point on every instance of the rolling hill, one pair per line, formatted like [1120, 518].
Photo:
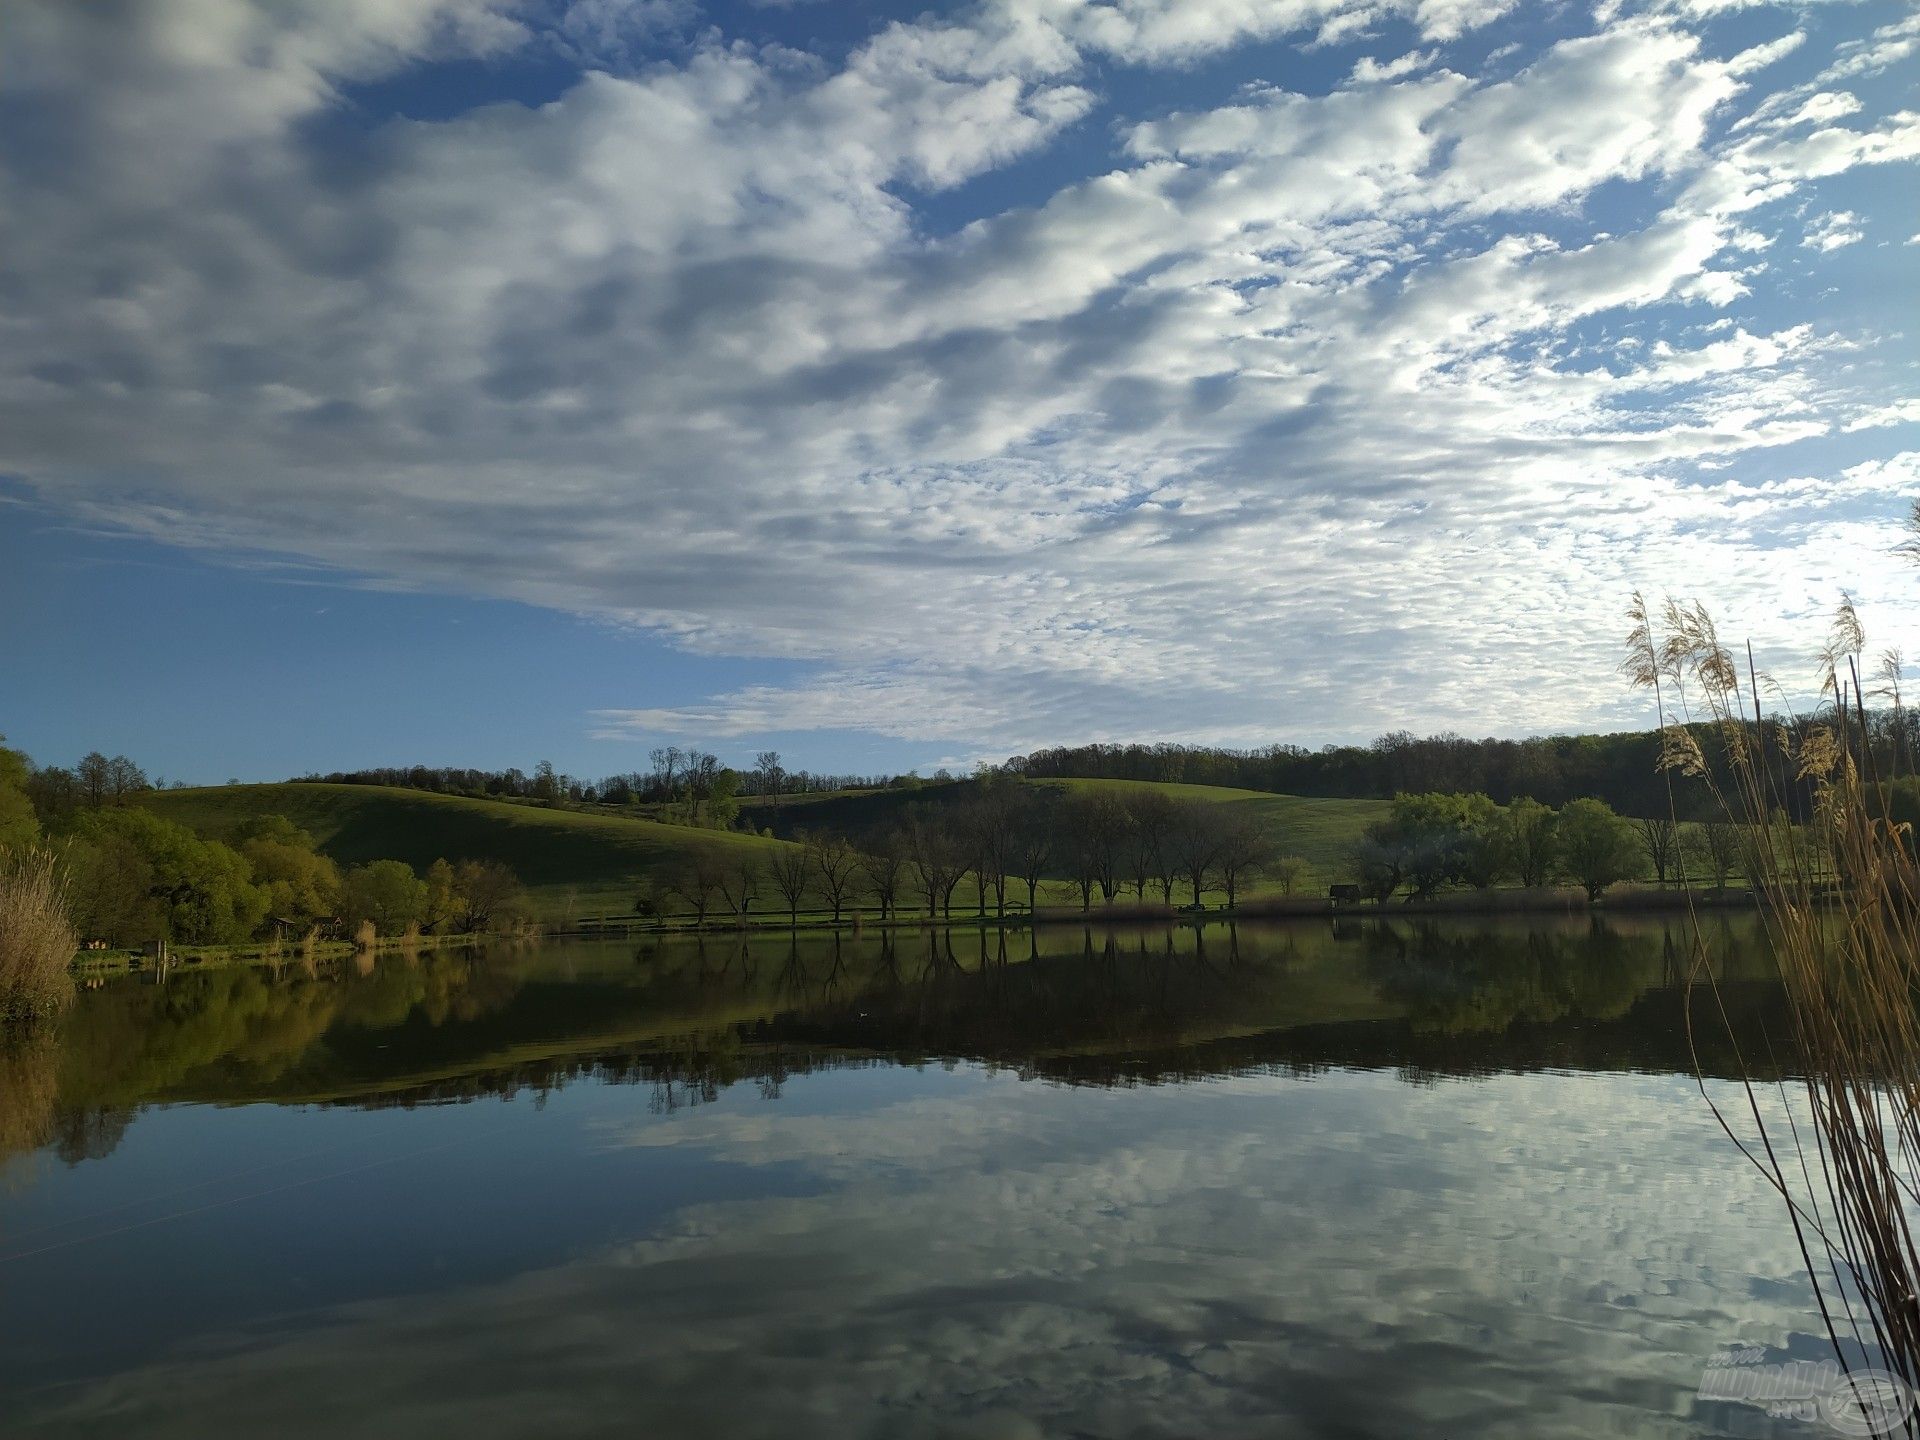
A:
[582, 863]
[571, 861]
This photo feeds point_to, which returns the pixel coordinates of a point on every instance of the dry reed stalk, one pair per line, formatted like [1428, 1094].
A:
[1840, 901]
[37, 939]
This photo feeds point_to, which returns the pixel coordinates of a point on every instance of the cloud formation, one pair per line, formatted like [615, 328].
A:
[1301, 409]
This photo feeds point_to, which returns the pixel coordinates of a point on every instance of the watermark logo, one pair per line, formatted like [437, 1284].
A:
[1858, 1402]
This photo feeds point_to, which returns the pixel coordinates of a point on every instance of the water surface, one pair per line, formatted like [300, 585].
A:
[1372, 1180]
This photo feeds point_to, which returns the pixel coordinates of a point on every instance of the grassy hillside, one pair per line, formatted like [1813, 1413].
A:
[1320, 832]
[583, 862]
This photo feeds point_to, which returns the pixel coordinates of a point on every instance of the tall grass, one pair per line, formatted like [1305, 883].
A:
[37, 939]
[1840, 900]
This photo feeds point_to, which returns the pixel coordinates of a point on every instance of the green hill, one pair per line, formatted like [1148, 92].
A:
[584, 863]
[581, 863]
[1320, 832]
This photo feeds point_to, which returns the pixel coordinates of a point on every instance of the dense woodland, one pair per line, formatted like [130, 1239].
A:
[1621, 769]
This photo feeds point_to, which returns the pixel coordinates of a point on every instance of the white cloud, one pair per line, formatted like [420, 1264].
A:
[690, 348]
[1885, 48]
[1833, 231]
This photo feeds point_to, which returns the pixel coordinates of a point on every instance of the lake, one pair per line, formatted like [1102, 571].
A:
[1364, 1179]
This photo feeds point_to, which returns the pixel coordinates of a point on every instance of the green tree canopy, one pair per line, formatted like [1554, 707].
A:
[302, 885]
[19, 828]
[387, 892]
[1596, 846]
[137, 877]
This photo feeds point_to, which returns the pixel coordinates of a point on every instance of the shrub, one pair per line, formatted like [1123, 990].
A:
[37, 939]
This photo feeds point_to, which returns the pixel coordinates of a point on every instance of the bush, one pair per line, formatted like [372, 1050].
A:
[37, 940]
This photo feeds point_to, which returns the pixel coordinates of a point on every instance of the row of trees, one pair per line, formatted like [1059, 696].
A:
[135, 876]
[691, 780]
[1433, 840]
[1621, 769]
[995, 847]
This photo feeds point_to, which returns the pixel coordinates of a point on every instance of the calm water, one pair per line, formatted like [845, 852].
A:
[1380, 1181]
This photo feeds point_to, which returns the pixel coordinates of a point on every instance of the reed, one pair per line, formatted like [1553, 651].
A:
[1839, 896]
[37, 939]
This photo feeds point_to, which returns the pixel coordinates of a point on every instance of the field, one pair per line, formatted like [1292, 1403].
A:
[576, 864]
[583, 864]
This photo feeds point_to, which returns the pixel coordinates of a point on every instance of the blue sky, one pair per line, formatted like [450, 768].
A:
[482, 381]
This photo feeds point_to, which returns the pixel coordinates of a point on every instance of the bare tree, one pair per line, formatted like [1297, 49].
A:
[1032, 848]
[837, 864]
[884, 860]
[935, 859]
[766, 765]
[1286, 872]
[1720, 840]
[986, 830]
[94, 773]
[1194, 843]
[1152, 812]
[1661, 839]
[1094, 829]
[124, 778]
[666, 770]
[702, 771]
[486, 892]
[1242, 850]
[696, 880]
[790, 867]
[740, 883]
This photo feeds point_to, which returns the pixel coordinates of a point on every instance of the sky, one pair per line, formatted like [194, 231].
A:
[480, 381]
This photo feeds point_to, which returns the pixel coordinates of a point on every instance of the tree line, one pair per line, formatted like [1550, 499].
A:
[133, 876]
[992, 848]
[694, 783]
[1622, 769]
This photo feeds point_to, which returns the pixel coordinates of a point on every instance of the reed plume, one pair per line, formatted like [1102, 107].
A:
[1839, 900]
[37, 939]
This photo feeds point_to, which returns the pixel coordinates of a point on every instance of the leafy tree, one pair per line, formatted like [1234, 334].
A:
[19, 825]
[386, 892]
[302, 885]
[488, 896]
[723, 798]
[197, 892]
[55, 794]
[1597, 847]
[1525, 837]
[443, 897]
[1436, 839]
[1377, 865]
